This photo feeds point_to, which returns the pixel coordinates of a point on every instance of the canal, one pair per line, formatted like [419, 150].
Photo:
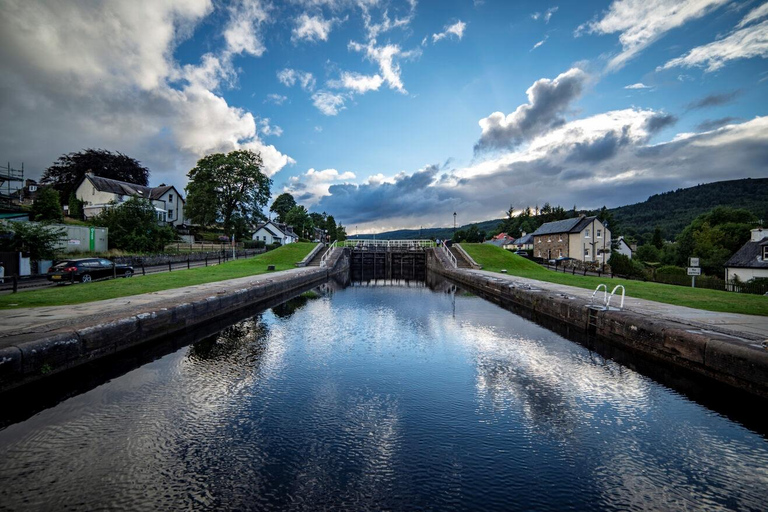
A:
[395, 396]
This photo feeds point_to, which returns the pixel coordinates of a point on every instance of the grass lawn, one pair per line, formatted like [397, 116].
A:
[495, 259]
[282, 258]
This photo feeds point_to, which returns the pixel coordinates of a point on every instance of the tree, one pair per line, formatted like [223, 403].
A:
[39, 240]
[67, 171]
[657, 240]
[330, 227]
[282, 205]
[133, 227]
[222, 186]
[299, 218]
[341, 233]
[47, 206]
[75, 206]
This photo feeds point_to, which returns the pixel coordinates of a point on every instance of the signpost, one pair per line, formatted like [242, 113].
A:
[693, 270]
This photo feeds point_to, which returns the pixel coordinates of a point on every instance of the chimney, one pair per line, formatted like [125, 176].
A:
[758, 234]
[524, 233]
[89, 173]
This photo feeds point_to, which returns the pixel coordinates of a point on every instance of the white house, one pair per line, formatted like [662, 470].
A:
[275, 233]
[751, 261]
[100, 193]
[622, 247]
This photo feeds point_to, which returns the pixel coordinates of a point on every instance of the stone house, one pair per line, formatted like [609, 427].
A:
[100, 193]
[585, 239]
[751, 261]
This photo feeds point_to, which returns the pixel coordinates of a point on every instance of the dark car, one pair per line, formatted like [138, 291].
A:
[86, 270]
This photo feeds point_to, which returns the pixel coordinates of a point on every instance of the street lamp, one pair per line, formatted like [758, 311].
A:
[454, 223]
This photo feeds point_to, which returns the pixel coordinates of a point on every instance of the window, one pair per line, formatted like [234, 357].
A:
[586, 251]
[549, 239]
[539, 240]
[765, 252]
[586, 233]
[170, 214]
[599, 233]
[120, 198]
[170, 198]
[559, 253]
[265, 238]
[539, 253]
[560, 238]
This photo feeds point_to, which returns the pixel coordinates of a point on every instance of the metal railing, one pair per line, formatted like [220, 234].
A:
[451, 257]
[606, 302]
[324, 257]
[387, 244]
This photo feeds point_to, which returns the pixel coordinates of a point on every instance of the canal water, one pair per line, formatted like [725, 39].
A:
[376, 397]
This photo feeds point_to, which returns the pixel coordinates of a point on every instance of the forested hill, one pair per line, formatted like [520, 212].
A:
[672, 211]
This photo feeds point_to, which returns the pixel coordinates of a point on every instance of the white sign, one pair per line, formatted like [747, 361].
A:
[693, 262]
[694, 271]
[73, 242]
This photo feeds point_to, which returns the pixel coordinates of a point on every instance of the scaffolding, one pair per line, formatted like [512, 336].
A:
[8, 178]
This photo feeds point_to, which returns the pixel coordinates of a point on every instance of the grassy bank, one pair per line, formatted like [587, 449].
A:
[495, 259]
[282, 258]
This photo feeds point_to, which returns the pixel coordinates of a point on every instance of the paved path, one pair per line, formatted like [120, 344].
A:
[50, 318]
[751, 327]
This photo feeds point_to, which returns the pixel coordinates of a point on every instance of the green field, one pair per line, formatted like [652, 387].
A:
[282, 258]
[495, 259]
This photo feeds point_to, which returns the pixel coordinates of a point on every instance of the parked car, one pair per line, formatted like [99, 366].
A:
[524, 254]
[86, 270]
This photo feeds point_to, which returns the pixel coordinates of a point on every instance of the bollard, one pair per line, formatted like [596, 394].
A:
[71, 277]
[114, 270]
[169, 266]
[143, 272]
[206, 260]
[187, 262]
[15, 283]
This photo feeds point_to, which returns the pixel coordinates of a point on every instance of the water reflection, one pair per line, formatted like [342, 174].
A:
[382, 396]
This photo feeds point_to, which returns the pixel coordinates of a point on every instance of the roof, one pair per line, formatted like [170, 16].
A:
[527, 239]
[498, 242]
[749, 256]
[563, 226]
[123, 188]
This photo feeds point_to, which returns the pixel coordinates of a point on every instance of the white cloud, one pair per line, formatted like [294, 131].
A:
[386, 23]
[638, 85]
[267, 128]
[313, 185]
[277, 99]
[78, 82]
[642, 22]
[547, 101]
[289, 77]
[754, 15]
[540, 43]
[356, 82]
[745, 43]
[311, 28]
[329, 103]
[457, 30]
[243, 33]
[549, 13]
[386, 57]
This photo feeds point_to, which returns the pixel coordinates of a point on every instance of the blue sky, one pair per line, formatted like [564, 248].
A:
[390, 113]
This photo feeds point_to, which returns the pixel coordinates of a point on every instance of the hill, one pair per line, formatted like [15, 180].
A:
[671, 211]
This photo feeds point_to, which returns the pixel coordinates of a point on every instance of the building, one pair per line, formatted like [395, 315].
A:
[500, 240]
[622, 247]
[100, 193]
[524, 243]
[751, 261]
[275, 233]
[26, 195]
[582, 238]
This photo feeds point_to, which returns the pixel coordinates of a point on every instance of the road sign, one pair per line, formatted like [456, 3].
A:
[693, 262]
[694, 271]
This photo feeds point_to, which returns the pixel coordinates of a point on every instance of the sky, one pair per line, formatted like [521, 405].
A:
[397, 113]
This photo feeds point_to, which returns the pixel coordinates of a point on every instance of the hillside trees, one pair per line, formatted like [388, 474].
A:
[68, 170]
[223, 187]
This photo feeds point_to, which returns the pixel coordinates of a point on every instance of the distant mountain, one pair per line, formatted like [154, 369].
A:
[670, 211]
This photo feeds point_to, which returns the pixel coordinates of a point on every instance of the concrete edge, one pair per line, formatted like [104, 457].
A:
[736, 362]
[466, 255]
[308, 257]
[30, 360]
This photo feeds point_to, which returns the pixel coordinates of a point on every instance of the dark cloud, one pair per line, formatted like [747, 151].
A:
[600, 149]
[713, 124]
[548, 100]
[714, 100]
[576, 174]
[659, 121]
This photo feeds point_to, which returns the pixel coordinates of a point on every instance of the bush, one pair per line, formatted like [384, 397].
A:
[620, 264]
[671, 270]
[254, 244]
[271, 247]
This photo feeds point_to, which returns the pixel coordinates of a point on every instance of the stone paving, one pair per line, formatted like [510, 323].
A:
[50, 318]
[750, 327]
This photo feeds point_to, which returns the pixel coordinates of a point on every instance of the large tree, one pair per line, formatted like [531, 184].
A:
[282, 205]
[133, 227]
[67, 171]
[299, 218]
[225, 186]
[47, 206]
